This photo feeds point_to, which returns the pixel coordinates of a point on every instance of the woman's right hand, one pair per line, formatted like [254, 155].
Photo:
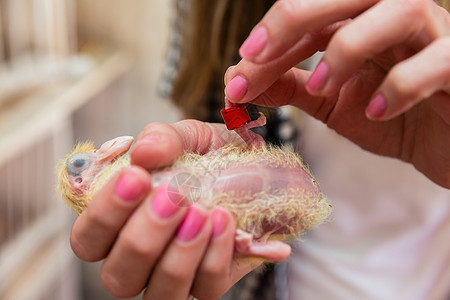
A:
[383, 81]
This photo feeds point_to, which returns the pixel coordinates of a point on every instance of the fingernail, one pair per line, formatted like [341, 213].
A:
[225, 76]
[192, 224]
[220, 219]
[376, 107]
[151, 138]
[129, 187]
[162, 205]
[236, 88]
[255, 43]
[318, 78]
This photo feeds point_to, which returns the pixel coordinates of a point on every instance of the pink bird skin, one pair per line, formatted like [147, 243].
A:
[271, 193]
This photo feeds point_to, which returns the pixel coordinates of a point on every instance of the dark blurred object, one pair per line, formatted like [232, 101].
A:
[257, 285]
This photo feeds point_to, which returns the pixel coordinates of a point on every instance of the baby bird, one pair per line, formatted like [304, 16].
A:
[271, 193]
[85, 170]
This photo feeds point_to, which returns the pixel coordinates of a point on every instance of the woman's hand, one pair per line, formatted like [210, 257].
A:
[148, 241]
[384, 61]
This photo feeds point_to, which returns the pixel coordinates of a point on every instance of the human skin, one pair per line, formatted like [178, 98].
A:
[413, 130]
[141, 249]
[383, 82]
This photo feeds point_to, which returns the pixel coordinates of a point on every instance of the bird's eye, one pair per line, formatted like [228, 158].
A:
[77, 163]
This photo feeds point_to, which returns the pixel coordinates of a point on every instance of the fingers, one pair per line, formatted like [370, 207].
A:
[140, 243]
[288, 20]
[247, 80]
[289, 89]
[173, 275]
[214, 276]
[96, 228]
[270, 250]
[159, 145]
[413, 80]
[390, 29]
[385, 25]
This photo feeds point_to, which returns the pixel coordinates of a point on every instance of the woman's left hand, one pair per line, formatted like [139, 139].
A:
[149, 242]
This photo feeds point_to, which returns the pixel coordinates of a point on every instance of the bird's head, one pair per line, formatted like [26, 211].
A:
[79, 171]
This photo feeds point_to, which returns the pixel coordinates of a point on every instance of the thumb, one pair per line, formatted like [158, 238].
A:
[287, 89]
[159, 145]
[248, 80]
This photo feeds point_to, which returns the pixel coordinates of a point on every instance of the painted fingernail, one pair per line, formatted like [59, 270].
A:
[220, 219]
[192, 224]
[225, 76]
[162, 205]
[318, 78]
[376, 107]
[236, 88]
[255, 43]
[130, 187]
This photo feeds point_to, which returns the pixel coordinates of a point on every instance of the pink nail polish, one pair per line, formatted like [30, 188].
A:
[376, 107]
[255, 43]
[129, 187]
[192, 224]
[236, 88]
[162, 205]
[318, 78]
[220, 219]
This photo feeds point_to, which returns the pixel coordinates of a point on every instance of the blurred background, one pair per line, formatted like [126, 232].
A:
[70, 70]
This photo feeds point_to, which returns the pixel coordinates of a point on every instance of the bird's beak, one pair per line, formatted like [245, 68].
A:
[114, 148]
